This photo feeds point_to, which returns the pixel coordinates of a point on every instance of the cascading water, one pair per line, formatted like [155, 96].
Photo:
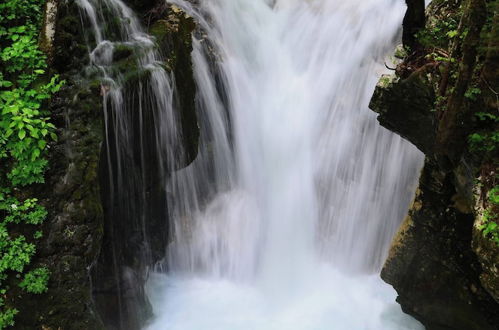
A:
[284, 219]
[143, 144]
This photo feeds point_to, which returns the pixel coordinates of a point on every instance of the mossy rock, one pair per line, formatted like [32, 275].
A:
[406, 108]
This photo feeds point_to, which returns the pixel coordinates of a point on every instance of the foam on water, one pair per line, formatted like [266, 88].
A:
[326, 300]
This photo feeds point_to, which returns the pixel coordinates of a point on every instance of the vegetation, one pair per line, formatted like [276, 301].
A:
[25, 134]
[458, 47]
[490, 220]
[486, 139]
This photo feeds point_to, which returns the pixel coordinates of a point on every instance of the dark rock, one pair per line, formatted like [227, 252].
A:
[431, 264]
[406, 108]
[73, 230]
[444, 270]
[136, 229]
[414, 20]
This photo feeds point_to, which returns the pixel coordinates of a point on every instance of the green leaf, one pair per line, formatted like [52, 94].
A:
[21, 134]
[35, 154]
[42, 144]
[5, 83]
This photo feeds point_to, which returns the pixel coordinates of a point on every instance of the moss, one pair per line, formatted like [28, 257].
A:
[122, 51]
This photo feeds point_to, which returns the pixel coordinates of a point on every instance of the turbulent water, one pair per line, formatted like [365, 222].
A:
[285, 217]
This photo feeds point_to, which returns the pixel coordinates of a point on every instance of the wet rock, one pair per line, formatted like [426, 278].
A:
[173, 33]
[71, 194]
[406, 108]
[136, 227]
[431, 264]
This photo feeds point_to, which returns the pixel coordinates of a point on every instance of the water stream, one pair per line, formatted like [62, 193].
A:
[304, 200]
[285, 217]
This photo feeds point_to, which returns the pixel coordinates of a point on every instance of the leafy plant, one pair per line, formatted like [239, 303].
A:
[494, 195]
[484, 142]
[472, 93]
[36, 280]
[25, 136]
[490, 227]
[439, 34]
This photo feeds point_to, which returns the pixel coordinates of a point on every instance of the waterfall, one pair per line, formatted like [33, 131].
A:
[285, 218]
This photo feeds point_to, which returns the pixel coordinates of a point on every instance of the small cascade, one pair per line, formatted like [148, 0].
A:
[142, 146]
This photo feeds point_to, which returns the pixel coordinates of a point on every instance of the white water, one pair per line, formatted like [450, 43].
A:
[284, 219]
[113, 26]
[287, 226]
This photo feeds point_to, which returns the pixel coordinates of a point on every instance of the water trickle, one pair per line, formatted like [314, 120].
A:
[142, 145]
[284, 219]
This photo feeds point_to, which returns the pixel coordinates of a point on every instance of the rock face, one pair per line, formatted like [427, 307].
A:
[414, 20]
[95, 253]
[404, 109]
[432, 264]
[136, 227]
[444, 270]
[488, 255]
[71, 194]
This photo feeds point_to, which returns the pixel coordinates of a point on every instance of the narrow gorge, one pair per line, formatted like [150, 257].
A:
[249, 164]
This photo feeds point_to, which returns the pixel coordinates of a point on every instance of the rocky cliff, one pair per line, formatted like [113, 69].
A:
[444, 260]
[89, 247]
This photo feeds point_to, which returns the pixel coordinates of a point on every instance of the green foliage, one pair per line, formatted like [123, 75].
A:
[472, 93]
[485, 140]
[490, 227]
[16, 251]
[440, 33]
[7, 317]
[401, 53]
[494, 195]
[25, 136]
[24, 127]
[36, 280]
[489, 34]
[483, 116]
